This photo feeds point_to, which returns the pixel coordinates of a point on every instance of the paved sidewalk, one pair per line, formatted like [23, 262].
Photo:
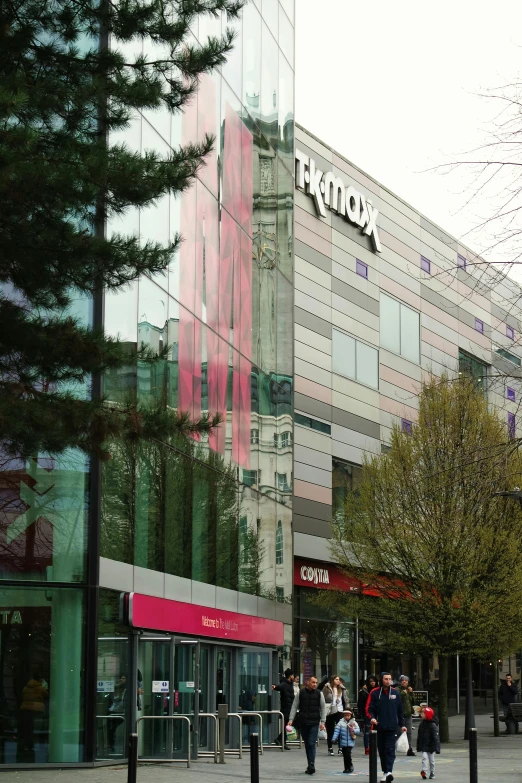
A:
[500, 761]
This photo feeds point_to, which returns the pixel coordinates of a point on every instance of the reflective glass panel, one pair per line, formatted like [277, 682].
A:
[410, 334]
[390, 324]
[343, 354]
[367, 364]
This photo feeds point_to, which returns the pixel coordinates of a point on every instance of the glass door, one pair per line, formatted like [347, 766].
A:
[254, 688]
[189, 678]
[154, 689]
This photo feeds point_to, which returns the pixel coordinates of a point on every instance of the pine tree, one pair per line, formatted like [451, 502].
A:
[63, 90]
[430, 541]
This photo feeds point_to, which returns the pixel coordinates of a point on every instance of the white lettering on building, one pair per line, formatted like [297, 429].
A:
[318, 576]
[327, 190]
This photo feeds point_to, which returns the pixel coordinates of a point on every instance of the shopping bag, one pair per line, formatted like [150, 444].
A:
[291, 734]
[402, 745]
[322, 734]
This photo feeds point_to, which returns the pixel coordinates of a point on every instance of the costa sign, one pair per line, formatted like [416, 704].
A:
[324, 576]
[328, 190]
[315, 575]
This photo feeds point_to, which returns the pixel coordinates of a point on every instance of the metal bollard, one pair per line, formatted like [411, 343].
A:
[132, 767]
[473, 760]
[222, 718]
[254, 758]
[373, 756]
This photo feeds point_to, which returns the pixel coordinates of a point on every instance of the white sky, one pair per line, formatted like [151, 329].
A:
[392, 86]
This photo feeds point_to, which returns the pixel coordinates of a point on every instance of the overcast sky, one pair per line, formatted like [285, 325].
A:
[393, 87]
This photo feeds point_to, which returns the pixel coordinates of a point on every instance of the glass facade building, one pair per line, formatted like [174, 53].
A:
[203, 522]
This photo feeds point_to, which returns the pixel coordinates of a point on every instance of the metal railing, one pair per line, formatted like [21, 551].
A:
[166, 717]
[210, 753]
[233, 751]
[281, 722]
[247, 746]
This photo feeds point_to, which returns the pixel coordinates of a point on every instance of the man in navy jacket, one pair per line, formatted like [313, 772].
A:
[384, 710]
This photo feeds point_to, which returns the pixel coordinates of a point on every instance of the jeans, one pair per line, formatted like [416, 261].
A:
[367, 728]
[428, 759]
[407, 723]
[309, 735]
[347, 756]
[386, 746]
[331, 722]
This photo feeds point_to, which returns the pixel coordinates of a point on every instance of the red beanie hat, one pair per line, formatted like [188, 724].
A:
[428, 713]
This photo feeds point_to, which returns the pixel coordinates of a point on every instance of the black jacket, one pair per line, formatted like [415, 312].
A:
[507, 694]
[428, 737]
[361, 702]
[286, 689]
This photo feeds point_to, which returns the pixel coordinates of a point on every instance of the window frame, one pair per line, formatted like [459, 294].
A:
[425, 264]
[356, 341]
[411, 309]
[479, 325]
[510, 394]
[358, 265]
[510, 332]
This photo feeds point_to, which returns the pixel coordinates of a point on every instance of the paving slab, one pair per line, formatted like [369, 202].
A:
[500, 761]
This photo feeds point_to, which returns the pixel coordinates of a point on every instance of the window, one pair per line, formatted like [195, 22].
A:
[472, 367]
[251, 477]
[361, 268]
[280, 594]
[425, 264]
[400, 329]
[461, 261]
[479, 325]
[276, 440]
[510, 332]
[510, 394]
[307, 421]
[285, 440]
[281, 482]
[512, 423]
[346, 477]
[279, 543]
[406, 426]
[507, 355]
[355, 359]
[254, 436]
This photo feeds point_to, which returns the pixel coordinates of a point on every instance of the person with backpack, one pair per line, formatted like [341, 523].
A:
[345, 732]
[428, 742]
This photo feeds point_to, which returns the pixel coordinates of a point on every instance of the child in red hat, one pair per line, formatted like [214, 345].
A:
[428, 742]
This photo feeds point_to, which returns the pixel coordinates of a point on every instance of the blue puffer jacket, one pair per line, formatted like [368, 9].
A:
[343, 733]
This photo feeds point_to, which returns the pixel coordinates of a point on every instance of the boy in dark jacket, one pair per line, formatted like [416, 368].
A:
[428, 742]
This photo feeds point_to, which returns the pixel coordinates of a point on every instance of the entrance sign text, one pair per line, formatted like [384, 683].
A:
[327, 190]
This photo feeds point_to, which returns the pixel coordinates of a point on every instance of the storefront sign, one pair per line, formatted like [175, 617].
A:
[10, 617]
[160, 614]
[160, 686]
[328, 190]
[323, 576]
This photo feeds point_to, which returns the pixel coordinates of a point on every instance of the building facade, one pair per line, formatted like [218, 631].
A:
[162, 583]
[374, 311]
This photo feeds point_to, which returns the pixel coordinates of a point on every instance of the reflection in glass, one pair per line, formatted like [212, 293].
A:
[286, 120]
[251, 60]
[286, 37]
[269, 86]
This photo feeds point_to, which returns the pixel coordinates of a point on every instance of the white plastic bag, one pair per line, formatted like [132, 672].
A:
[322, 734]
[402, 746]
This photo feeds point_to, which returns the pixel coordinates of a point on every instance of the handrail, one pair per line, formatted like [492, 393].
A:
[166, 717]
[282, 719]
[121, 718]
[248, 714]
[206, 753]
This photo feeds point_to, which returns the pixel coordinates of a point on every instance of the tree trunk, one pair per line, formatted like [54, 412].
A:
[443, 698]
[496, 685]
[470, 710]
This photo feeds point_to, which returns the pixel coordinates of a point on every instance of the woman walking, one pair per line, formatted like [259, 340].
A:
[362, 700]
[336, 700]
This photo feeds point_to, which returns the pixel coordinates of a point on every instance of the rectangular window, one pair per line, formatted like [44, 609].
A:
[361, 268]
[507, 355]
[510, 332]
[307, 421]
[282, 482]
[425, 264]
[510, 394]
[406, 426]
[345, 479]
[254, 436]
[251, 477]
[276, 440]
[512, 423]
[400, 329]
[479, 325]
[461, 261]
[355, 359]
[474, 368]
[285, 439]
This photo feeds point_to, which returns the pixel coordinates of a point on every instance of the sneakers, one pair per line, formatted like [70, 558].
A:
[367, 751]
[383, 779]
[330, 751]
[410, 752]
[310, 770]
[389, 777]
[423, 775]
[432, 775]
[276, 742]
[339, 752]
